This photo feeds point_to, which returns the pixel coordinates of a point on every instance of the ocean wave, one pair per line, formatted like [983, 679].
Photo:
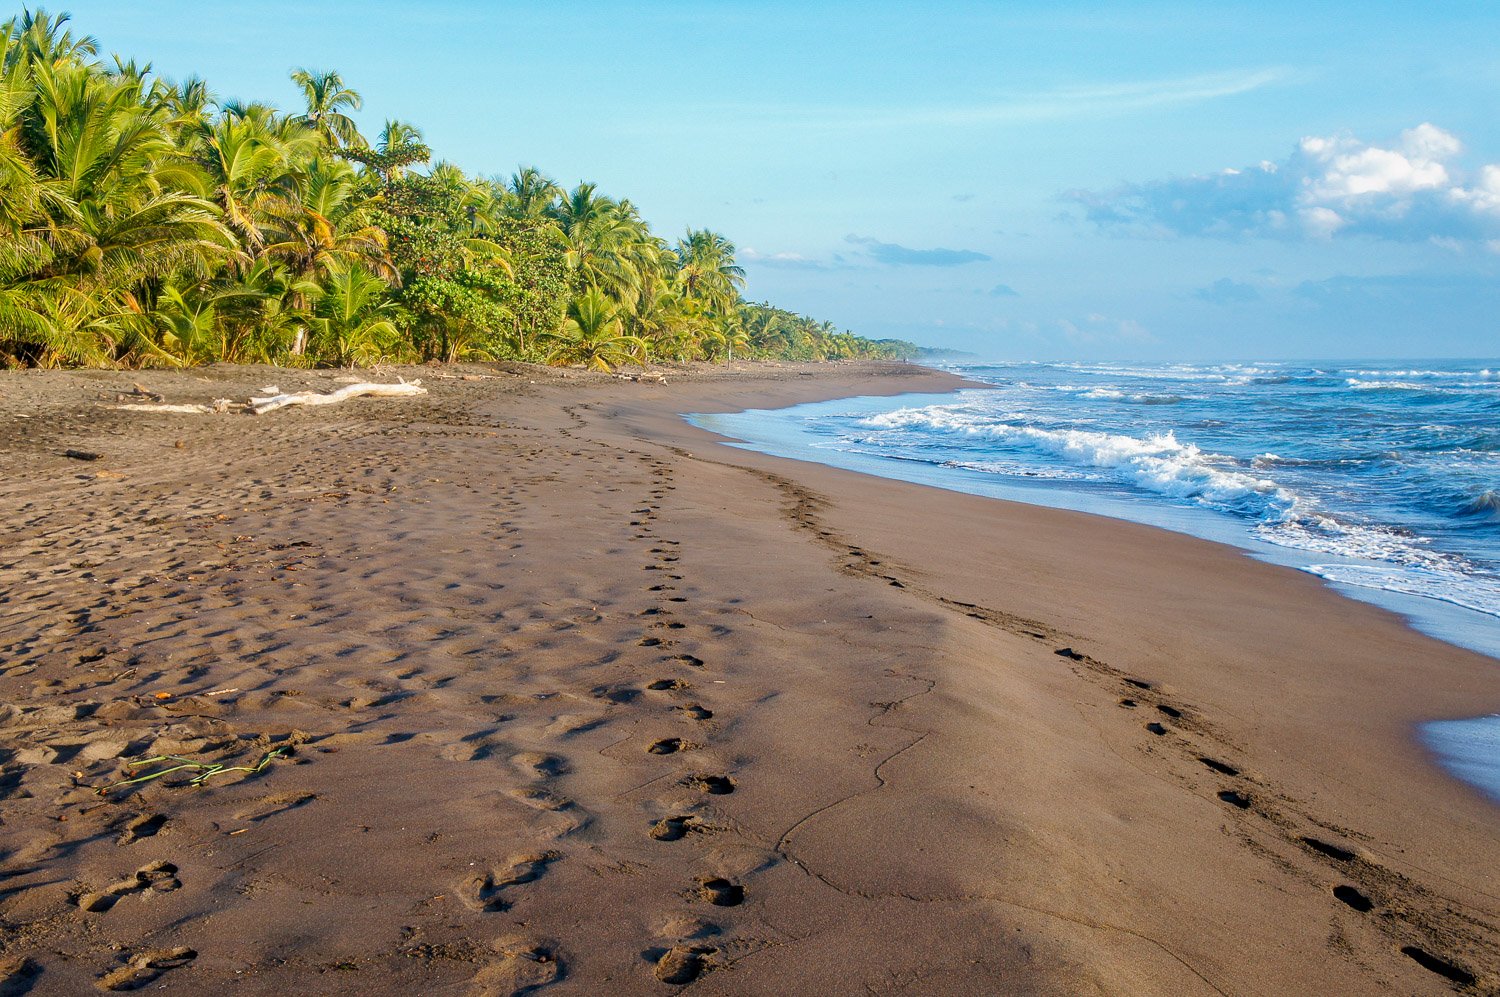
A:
[1110, 395]
[1360, 385]
[1485, 505]
[1462, 375]
[1324, 534]
[1157, 463]
[1480, 593]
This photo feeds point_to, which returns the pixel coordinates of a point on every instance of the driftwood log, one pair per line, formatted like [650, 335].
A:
[219, 405]
[259, 406]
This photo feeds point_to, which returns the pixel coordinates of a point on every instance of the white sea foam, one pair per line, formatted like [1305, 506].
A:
[1019, 469]
[1359, 385]
[1110, 395]
[1326, 535]
[1157, 463]
[1457, 375]
[1480, 593]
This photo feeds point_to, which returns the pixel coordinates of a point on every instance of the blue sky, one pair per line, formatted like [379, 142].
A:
[1021, 180]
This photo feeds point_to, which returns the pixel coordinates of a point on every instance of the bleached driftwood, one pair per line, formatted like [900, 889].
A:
[646, 376]
[260, 406]
[196, 409]
[219, 405]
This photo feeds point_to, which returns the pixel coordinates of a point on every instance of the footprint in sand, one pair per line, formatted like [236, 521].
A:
[523, 968]
[681, 963]
[540, 764]
[669, 685]
[676, 828]
[144, 968]
[558, 817]
[144, 826]
[155, 877]
[1332, 851]
[1441, 967]
[719, 891]
[485, 892]
[670, 746]
[18, 975]
[687, 659]
[1353, 898]
[695, 711]
[714, 785]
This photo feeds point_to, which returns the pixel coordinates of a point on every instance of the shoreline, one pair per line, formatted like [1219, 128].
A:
[898, 778]
[1454, 622]
[1462, 747]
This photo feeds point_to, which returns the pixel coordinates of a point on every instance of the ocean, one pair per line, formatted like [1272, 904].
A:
[1383, 478]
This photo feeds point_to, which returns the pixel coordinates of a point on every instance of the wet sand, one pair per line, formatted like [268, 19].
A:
[542, 690]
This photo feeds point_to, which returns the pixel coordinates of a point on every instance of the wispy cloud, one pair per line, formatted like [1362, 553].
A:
[1101, 98]
[785, 261]
[893, 255]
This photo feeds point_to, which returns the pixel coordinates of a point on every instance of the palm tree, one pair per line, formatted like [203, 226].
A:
[532, 194]
[43, 40]
[707, 271]
[248, 168]
[606, 243]
[122, 207]
[594, 336]
[325, 94]
[352, 323]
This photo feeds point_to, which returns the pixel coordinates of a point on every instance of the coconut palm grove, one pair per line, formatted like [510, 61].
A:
[148, 222]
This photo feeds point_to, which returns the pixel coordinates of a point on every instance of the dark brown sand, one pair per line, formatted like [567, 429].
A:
[561, 696]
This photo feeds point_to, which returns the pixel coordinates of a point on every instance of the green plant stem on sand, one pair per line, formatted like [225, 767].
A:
[207, 771]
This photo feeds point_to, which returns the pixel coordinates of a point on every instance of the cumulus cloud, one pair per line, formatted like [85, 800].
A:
[1227, 292]
[1329, 187]
[894, 255]
[1004, 291]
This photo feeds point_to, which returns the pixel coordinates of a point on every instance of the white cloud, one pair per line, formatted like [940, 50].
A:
[1331, 186]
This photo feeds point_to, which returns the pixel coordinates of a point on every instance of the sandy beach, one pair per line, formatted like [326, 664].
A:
[528, 686]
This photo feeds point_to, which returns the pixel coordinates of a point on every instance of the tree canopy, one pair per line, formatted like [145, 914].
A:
[150, 222]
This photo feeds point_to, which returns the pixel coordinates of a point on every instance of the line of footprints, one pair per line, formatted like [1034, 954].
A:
[682, 959]
[1141, 695]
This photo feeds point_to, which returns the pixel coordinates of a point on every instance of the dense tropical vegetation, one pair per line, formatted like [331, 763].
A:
[146, 222]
